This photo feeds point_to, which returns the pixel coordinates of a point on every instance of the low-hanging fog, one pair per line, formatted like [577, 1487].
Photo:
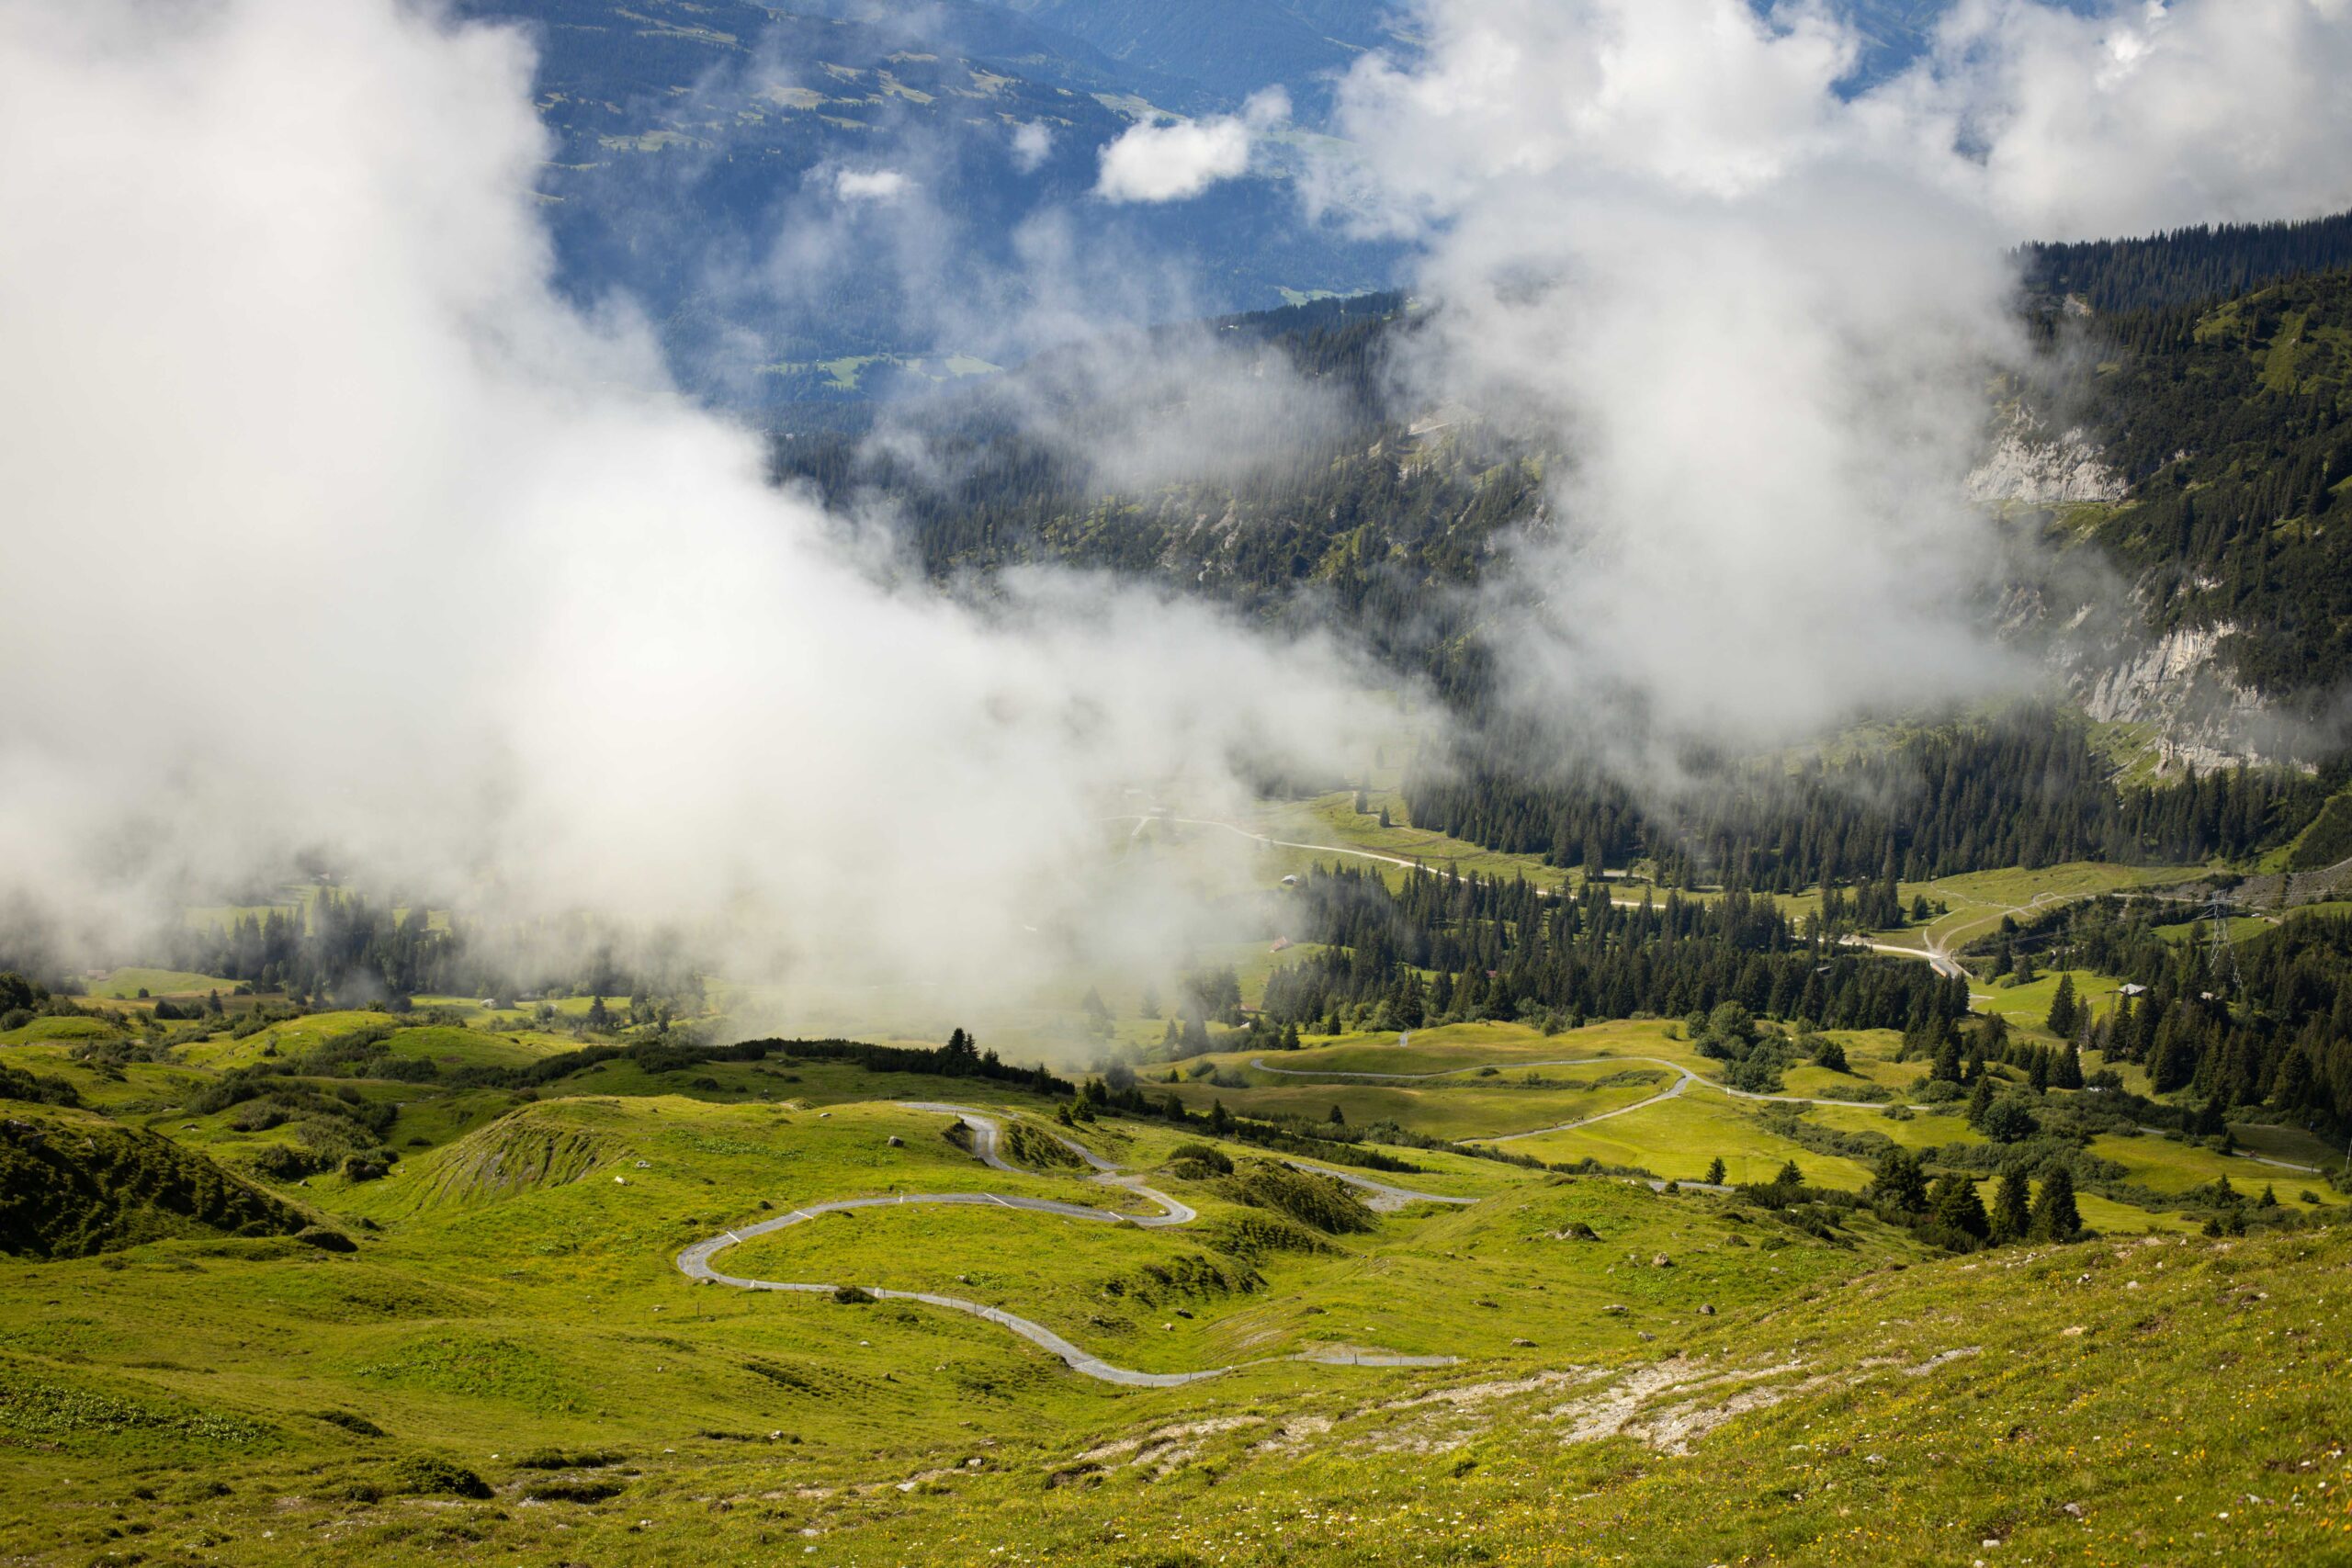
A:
[329, 527]
[1761, 315]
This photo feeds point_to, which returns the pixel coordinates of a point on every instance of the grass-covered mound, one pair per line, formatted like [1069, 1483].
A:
[1037, 1148]
[69, 1189]
[1309, 1199]
[536, 1146]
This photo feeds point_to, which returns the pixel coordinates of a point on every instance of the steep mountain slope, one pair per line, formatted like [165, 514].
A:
[2233, 424]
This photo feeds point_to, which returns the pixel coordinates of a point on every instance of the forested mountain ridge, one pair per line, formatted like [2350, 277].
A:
[2183, 265]
[2220, 426]
[2232, 423]
[1361, 517]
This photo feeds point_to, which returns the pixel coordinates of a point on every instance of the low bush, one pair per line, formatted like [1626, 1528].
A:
[429, 1476]
[572, 1490]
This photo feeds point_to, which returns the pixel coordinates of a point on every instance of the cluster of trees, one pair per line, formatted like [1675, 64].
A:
[2268, 1022]
[1507, 949]
[1949, 1212]
[2025, 788]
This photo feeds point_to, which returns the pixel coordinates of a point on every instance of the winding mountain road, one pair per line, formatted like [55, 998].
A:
[694, 1262]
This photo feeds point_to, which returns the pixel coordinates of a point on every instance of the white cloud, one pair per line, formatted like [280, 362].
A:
[1031, 143]
[870, 185]
[1758, 320]
[1178, 159]
[2137, 117]
[402, 557]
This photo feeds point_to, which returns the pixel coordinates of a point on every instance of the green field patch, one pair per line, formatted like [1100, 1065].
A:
[1920, 1130]
[1677, 1139]
[2172, 1168]
[122, 984]
[475, 1366]
[2292, 1144]
[42, 1029]
[2027, 1007]
[463, 1048]
[1979, 899]
[39, 1409]
[1456, 1109]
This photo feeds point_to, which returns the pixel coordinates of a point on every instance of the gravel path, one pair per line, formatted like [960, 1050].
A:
[694, 1262]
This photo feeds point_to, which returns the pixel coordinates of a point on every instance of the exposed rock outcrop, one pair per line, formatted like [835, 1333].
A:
[2028, 466]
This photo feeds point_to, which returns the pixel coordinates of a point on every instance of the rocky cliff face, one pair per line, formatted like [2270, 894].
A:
[2030, 466]
[2177, 682]
[2093, 630]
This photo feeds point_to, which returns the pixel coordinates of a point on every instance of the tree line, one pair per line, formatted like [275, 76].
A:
[2022, 788]
[1445, 948]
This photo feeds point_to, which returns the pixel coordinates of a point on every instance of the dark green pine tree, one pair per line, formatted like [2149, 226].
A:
[1947, 1067]
[2055, 1217]
[1715, 1171]
[1981, 1101]
[2063, 1012]
[1900, 1186]
[2067, 1071]
[1338, 1117]
[1954, 1202]
[2012, 1207]
[1789, 1176]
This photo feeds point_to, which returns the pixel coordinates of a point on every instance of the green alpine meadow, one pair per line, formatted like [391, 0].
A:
[1262, 783]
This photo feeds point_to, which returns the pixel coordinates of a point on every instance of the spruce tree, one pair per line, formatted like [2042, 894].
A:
[1715, 1171]
[2061, 1009]
[2012, 1207]
[1954, 1202]
[1789, 1176]
[1981, 1101]
[2055, 1217]
[1900, 1186]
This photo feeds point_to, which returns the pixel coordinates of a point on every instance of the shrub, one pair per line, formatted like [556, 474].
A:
[284, 1162]
[572, 1490]
[350, 1421]
[428, 1475]
[1024, 1145]
[556, 1459]
[1198, 1162]
[852, 1295]
[1251, 1236]
[325, 1240]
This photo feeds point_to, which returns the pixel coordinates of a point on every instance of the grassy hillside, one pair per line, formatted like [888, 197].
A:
[72, 1185]
[510, 1369]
